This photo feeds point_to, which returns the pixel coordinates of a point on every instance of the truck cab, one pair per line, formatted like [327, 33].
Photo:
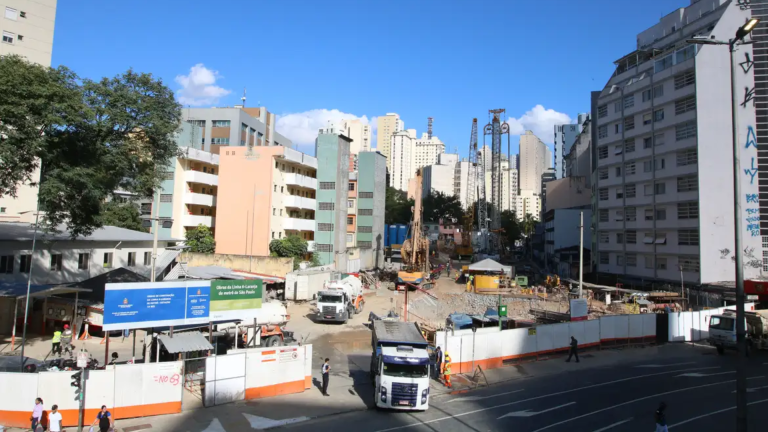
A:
[333, 305]
[722, 330]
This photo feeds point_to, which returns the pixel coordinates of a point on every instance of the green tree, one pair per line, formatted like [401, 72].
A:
[121, 214]
[90, 138]
[397, 207]
[291, 247]
[511, 227]
[200, 240]
[438, 205]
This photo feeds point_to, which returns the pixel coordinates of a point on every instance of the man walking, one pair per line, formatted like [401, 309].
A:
[66, 340]
[661, 418]
[438, 363]
[326, 371]
[573, 351]
[56, 343]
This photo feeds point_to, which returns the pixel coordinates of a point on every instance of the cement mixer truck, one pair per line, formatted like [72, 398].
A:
[340, 300]
[268, 325]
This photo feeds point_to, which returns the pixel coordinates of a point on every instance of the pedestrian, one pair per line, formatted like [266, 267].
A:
[661, 418]
[104, 419]
[56, 342]
[37, 414]
[326, 372]
[66, 340]
[447, 370]
[574, 350]
[438, 362]
[54, 419]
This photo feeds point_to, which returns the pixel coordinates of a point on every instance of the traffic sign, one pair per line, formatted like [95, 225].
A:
[82, 359]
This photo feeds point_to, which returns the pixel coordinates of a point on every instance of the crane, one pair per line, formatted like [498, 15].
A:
[465, 248]
[415, 250]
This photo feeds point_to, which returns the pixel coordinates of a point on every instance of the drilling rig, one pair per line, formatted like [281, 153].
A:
[415, 250]
[495, 129]
[465, 248]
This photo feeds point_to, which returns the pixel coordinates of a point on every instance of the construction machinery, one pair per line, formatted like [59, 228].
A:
[399, 366]
[415, 250]
[495, 129]
[465, 248]
[267, 328]
[340, 300]
[722, 330]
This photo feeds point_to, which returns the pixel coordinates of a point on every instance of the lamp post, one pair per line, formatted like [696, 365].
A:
[741, 378]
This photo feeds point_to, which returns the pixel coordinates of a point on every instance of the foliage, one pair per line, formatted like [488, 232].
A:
[511, 227]
[121, 214]
[437, 206]
[397, 207]
[291, 247]
[200, 240]
[93, 137]
[528, 224]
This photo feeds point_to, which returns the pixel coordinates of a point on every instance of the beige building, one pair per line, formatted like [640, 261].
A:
[528, 203]
[427, 150]
[509, 186]
[359, 133]
[535, 158]
[387, 126]
[27, 30]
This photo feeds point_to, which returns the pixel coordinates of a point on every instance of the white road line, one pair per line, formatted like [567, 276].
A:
[663, 365]
[541, 397]
[614, 425]
[713, 413]
[529, 413]
[699, 375]
[476, 398]
[633, 401]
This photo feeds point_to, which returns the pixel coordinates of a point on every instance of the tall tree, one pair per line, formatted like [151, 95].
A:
[511, 227]
[121, 214]
[438, 205]
[291, 247]
[200, 240]
[91, 138]
[397, 207]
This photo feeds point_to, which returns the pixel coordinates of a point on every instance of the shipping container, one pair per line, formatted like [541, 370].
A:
[304, 284]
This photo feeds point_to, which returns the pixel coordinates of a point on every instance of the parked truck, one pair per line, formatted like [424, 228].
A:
[340, 300]
[399, 366]
[722, 330]
[268, 324]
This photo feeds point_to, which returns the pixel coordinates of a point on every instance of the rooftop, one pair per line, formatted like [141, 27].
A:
[17, 231]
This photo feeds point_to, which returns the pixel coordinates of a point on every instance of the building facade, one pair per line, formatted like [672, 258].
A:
[359, 133]
[400, 159]
[235, 126]
[387, 125]
[332, 215]
[565, 136]
[440, 176]
[371, 198]
[427, 151]
[535, 158]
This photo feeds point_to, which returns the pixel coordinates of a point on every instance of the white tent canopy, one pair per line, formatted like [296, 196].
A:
[489, 265]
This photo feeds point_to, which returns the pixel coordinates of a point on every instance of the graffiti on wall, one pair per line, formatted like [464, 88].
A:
[747, 64]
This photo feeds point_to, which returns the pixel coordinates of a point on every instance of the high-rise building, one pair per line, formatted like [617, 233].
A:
[426, 151]
[565, 136]
[387, 125]
[235, 126]
[759, 10]
[440, 177]
[535, 158]
[332, 216]
[578, 161]
[663, 178]
[371, 198]
[400, 159]
[27, 30]
[460, 181]
[359, 133]
[485, 158]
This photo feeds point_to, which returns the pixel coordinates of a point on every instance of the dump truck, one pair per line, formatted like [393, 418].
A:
[340, 300]
[399, 366]
[722, 330]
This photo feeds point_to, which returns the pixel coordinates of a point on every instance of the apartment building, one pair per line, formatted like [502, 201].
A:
[235, 126]
[565, 136]
[371, 199]
[535, 158]
[528, 203]
[440, 177]
[387, 125]
[359, 133]
[426, 152]
[332, 215]
[660, 126]
[509, 186]
[578, 161]
[352, 210]
[27, 30]
[461, 181]
[400, 159]
[759, 9]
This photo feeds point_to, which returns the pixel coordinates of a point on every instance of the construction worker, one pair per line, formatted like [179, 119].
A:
[447, 370]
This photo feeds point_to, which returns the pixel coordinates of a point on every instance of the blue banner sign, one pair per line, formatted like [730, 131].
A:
[158, 304]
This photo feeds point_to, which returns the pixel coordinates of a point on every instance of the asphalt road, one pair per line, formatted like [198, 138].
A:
[698, 390]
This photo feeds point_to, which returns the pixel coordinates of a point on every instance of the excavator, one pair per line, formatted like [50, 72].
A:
[415, 250]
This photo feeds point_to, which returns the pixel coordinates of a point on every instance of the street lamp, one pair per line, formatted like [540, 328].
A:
[741, 378]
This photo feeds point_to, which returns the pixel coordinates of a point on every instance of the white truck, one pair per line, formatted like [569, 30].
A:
[340, 300]
[270, 322]
[399, 366]
[722, 330]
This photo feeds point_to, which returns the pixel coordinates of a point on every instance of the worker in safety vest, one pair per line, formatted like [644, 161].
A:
[447, 369]
[56, 343]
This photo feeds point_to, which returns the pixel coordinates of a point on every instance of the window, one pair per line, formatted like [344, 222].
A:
[619, 215]
[364, 244]
[631, 237]
[8, 37]
[617, 107]
[55, 262]
[603, 193]
[603, 174]
[350, 220]
[649, 214]
[648, 190]
[658, 91]
[2, 209]
[220, 141]
[661, 263]
[684, 79]
[327, 185]
[602, 152]
[660, 188]
[687, 157]
[602, 111]
[604, 237]
[662, 64]
[365, 195]
[647, 95]
[689, 264]
[108, 260]
[618, 150]
[629, 191]
[617, 171]
[620, 260]
[364, 229]
[658, 115]
[629, 101]
[684, 105]
[685, 130]
[83, 260]
[685, 54]
[661, 214]
[647, 118]
[629, 145]
[325, 227]
[619, 192]
[147, 258]
[688, 210]
[350, 238]
[604, 258]
[649, 261]
[351, 186]
[648, 166]
[25, 263]
[630, 214]
[220, 123]
[350, 204]
[687, 184]
[324, 248]
[603, 215]
[647, 142]
[629, 168]
[602, 131]
[131, 259]
[631, 260]
[620, 238]
[688, 237]
[330, 205]
[629, 123]
[617, 128]
[658, 164]
[11, 14]
[6, 264]
[366, 212]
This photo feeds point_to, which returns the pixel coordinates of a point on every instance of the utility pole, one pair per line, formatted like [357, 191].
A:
[581, 253]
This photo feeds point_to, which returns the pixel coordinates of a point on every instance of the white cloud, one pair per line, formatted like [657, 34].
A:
[541, 121]
[199, 87]
[301, 128]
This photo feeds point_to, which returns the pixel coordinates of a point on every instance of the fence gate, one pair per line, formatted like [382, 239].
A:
[224, 379]
[194, 381]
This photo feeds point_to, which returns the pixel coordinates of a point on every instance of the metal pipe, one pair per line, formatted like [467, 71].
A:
[581, 253]
[29, 285]
[15, 317]
[156, 228]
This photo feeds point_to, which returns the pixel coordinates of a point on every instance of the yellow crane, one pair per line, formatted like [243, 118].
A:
[415, 250]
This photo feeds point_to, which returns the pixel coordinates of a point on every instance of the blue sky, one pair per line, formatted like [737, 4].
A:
[452, 59]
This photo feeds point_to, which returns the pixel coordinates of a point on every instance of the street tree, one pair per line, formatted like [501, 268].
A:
[397, 207]
[511, 227]
[291, 247]
[438, 205]
[121, 214]
[200, 240]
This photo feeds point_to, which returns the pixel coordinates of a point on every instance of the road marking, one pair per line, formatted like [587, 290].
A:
[267, 423]
[633, 401]
[750, 390]
[699, 375]
[476, 398]
[614, 425]
[529, 413]
[541, 397]
[215, 426]
[664, 365]
[713, 413]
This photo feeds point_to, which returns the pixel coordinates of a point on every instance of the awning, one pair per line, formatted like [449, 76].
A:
[19, 290]
[185, 342]
[489, 265]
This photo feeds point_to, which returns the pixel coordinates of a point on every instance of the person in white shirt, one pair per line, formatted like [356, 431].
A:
[54, 419]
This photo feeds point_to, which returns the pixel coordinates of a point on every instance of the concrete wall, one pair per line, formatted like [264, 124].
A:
[332, 152]
[568, 192]
[273, 266]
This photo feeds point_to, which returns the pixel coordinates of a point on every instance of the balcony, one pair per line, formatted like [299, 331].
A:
[299, 202]
[300, 158]
[195, 220]
[200, 156]
[199, 199]
[202, 178]
[300, 180]
[298, 224]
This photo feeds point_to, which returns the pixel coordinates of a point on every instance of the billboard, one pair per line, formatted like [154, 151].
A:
[235, 299]
[579, 309]
[156, 304]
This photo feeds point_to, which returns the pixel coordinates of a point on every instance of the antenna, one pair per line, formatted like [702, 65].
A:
[243, 98]
[429, 128]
